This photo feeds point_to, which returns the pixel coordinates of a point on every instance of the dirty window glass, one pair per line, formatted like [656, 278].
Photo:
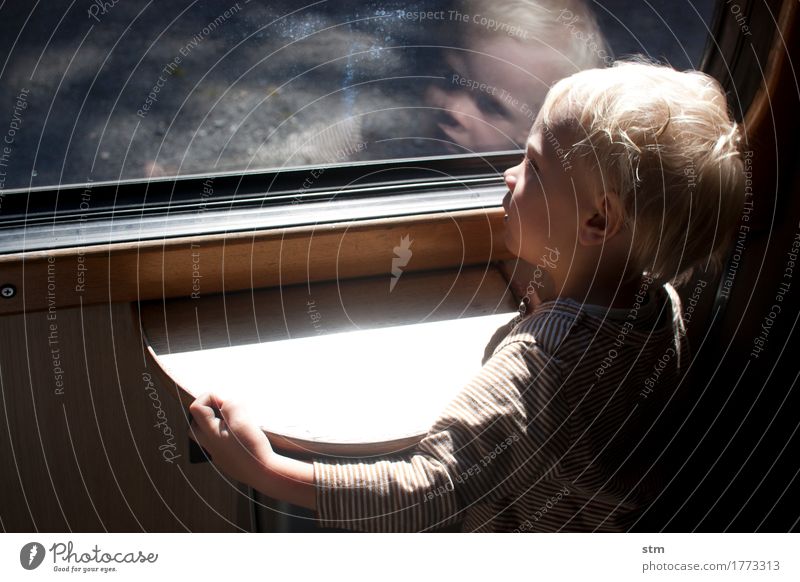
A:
[122, 90]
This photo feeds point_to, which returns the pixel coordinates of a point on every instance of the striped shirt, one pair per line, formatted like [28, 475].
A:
[544, 438]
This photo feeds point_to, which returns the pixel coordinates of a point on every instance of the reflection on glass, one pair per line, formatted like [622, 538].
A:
[512, 53]
[127, 90]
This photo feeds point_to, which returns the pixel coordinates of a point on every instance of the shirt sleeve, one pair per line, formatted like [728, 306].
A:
[505, 427]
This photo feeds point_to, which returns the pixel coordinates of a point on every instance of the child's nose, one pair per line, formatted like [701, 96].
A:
[510, 179]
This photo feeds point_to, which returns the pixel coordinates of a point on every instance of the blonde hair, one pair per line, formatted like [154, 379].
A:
[567, 25]
[666, 143]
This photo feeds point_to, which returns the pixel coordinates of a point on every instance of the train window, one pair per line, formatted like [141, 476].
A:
[123, 110]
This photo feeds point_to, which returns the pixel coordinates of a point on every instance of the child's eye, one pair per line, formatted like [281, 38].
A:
[490, 106]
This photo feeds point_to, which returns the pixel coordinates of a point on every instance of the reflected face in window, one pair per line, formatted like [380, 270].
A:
[491, 93]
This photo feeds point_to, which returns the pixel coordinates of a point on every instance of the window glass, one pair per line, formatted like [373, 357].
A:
[112, 90]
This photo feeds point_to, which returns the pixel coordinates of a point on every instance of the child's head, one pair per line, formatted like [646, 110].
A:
[649, 168]
[513, 52]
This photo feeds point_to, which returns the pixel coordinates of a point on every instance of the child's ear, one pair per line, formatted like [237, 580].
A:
[605, 220]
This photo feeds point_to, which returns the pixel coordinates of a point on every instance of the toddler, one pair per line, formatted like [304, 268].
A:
[632, 177]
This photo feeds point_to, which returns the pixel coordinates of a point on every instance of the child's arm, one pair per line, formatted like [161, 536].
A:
[507, 426]
[504, 432]
[242, 451]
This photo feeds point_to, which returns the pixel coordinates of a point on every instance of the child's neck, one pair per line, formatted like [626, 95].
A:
[593, 293]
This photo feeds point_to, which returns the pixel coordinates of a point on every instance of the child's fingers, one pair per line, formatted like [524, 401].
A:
[204, 413]
[233, 414]
[208, 399]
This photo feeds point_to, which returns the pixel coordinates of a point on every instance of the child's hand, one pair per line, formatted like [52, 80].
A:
[237, 446]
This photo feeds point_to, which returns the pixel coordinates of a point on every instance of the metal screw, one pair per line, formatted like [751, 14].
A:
[8, 291]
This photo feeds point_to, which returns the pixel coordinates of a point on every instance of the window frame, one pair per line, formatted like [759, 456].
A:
[52, 217]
